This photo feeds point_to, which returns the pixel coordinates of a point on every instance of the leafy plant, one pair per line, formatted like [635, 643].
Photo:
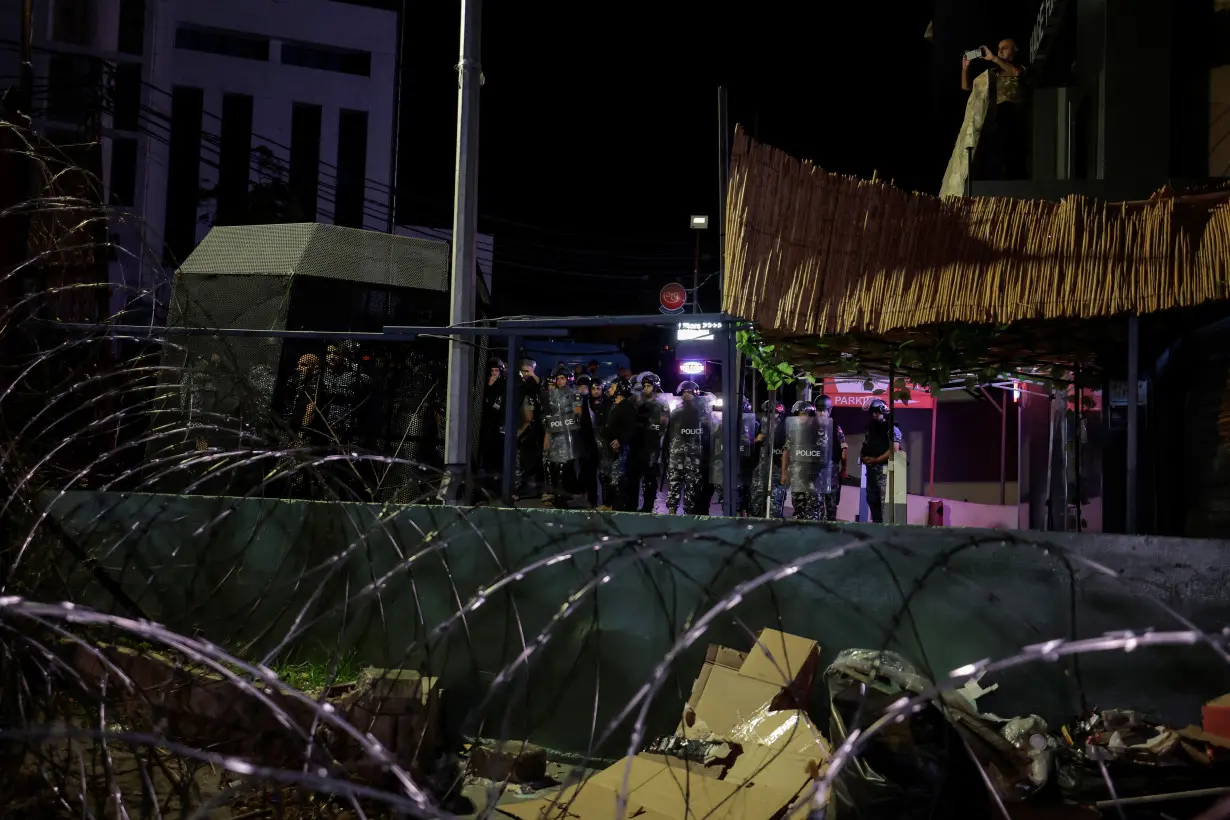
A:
[766, 360]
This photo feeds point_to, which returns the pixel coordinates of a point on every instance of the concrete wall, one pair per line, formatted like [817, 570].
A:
[240, 571]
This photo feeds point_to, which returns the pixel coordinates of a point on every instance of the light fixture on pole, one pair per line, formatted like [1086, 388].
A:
[699, 223]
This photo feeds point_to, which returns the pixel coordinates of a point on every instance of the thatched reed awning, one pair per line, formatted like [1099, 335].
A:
[813, 253]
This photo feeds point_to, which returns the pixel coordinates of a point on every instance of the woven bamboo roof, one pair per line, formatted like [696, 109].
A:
[809, 253]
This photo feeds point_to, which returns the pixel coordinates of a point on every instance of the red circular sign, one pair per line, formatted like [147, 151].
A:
[673, 296]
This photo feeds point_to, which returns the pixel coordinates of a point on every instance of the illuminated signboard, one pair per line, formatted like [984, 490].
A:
[696, 331]
[692, 368]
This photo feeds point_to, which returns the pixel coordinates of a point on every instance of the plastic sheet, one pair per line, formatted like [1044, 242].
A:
[926, 765]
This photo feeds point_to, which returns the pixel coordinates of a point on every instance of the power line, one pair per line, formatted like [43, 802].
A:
[149, 119]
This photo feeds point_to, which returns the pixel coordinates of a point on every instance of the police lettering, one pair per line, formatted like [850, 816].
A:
[809, 454]
[690, 432]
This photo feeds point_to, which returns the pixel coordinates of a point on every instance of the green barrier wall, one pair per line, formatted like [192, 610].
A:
[241, 572]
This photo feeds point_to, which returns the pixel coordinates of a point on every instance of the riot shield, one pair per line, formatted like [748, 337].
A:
[687, 438]
[809, 439]
[562, 427]
[716, 449]
[654, 419]
[747, 435]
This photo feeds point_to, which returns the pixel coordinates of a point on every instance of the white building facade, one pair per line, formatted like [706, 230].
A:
[227, 111]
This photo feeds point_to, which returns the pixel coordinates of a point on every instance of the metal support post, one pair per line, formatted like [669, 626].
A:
[512, 419]
[1003, 447]
[464, 269]
[890, 499]
[723, 188]
[935, 406]
[1133, 399]
[696, 277]
[730, 419]
[775, 466]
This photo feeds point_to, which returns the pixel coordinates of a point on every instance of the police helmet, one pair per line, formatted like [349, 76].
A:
[688, 387]
[563, 371]
[622, 387]
[877, 405]
[584, 380]
[824, 402]
[802, 407]
[496, 363]
[776, 407]
[649, 377]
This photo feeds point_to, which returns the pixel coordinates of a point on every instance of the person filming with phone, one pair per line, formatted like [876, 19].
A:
[1004, 157]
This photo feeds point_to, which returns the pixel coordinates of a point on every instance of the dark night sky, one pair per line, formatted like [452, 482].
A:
[598, 127]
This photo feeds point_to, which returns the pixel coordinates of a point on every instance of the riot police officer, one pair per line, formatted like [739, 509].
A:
[829, 500]
[600, 410]
[879, 445]
[687, 437]
[617, 437]
[766, 478]
[807, 459]
[587, 450]
[653, 414]
[562, 415]
[745, 441]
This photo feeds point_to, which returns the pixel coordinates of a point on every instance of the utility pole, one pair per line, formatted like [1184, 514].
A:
[399, 57]
[723, 188]
[27, 57]
[463, 284]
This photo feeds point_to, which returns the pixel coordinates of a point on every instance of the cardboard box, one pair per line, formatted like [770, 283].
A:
[787, 661]
[1215, 716]
[733, 686]
[746, 698]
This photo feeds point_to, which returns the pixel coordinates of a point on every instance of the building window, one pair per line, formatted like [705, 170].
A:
[351, 168]
[305, 158]
[73, 85]
[132, 27]
[184, 173]
[126, 97]
[323, 58]
[226, 43]
[234, 159]
[73, 22]
[123, 171]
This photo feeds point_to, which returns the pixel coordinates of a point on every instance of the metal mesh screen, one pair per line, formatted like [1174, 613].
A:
[385, 397]
[309, 249]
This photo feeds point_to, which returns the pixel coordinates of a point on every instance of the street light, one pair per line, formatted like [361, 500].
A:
[699, 223]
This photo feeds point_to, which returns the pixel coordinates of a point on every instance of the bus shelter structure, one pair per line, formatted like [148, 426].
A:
[513, 332]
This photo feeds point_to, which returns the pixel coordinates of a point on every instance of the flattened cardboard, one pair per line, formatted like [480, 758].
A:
[593, 797]
[787, 661]
[784, 751]
[729, 699]
[736, 695]
[656, 791]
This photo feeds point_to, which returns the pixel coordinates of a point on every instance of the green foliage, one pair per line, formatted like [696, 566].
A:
[775, 371]
[931, 358]
[313, 677]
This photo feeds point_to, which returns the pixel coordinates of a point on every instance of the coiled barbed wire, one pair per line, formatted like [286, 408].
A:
[135, 539]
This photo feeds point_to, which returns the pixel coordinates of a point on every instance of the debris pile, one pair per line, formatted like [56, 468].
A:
[746, 747]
